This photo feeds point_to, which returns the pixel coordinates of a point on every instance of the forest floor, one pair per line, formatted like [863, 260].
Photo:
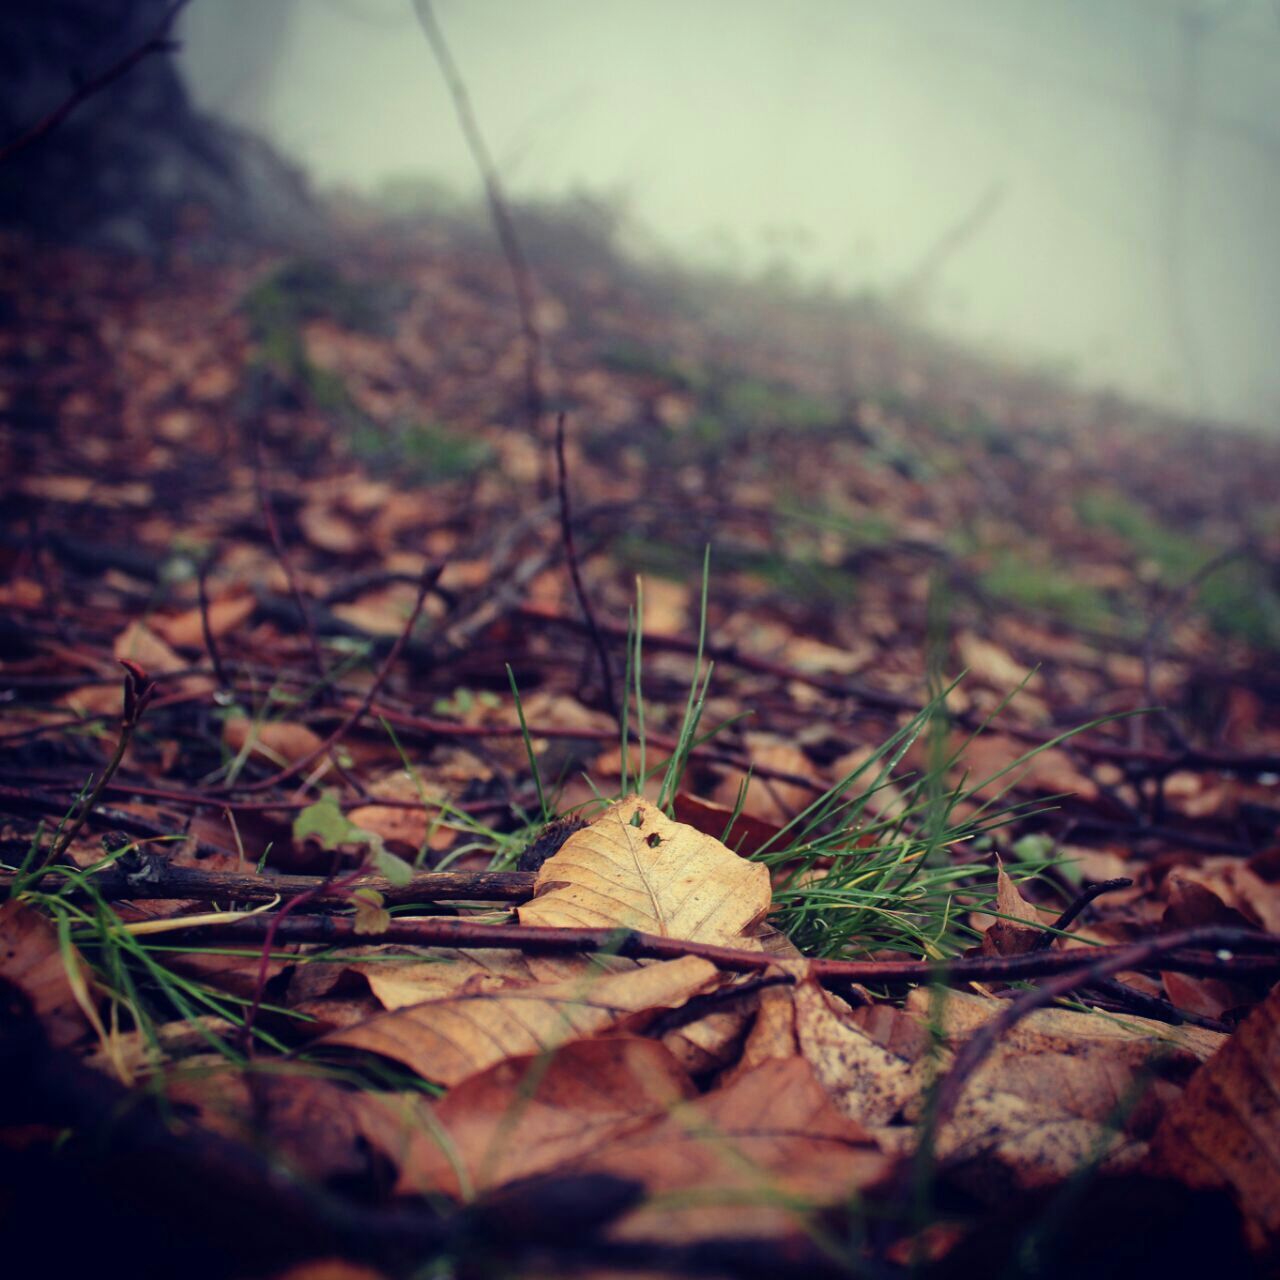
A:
[950, 948]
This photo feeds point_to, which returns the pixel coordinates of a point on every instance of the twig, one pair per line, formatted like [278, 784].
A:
[441, 931]
[1160, 623]
[571, 554]
[1107, 962]
[277, 919]
[138, 691]
[428, 579]
[499, 210]
[1068, 917]
[153, 876]
[1148, 1006]
[211, 647]
[157, 42]
[273, 532]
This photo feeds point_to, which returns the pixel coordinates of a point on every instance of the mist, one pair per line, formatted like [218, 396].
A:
[1090, 187]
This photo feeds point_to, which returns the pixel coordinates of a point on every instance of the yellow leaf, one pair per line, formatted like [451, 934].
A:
[635, 868]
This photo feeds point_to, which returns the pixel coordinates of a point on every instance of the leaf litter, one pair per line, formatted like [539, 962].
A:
[727, 1091]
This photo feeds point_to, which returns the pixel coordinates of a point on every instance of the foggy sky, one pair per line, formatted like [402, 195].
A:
[1092, 185]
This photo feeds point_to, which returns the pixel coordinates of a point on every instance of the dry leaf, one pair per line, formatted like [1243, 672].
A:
[1016, 931]
[1050, 771]
[450, 1039]
[1225, 1128]
[992, 665]
[1060, 1089]
[186, 630]
[769, 1139]
[281, 741]
[746, 836]
[528, 1115]
[138, 643]
[658, 876]
[868, 1082]
[769, 800]
[31, 959]
[329, 530]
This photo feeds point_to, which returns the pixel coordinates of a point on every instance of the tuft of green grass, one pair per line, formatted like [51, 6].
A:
[850, 880]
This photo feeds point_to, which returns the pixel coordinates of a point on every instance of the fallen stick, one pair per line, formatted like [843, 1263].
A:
[157, 879]
[1212, 950]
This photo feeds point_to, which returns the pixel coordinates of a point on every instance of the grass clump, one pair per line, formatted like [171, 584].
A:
[867, 867]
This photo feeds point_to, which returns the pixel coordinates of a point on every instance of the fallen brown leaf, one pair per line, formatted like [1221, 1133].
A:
[755, 1148]
[1225, 1128]
[450, 1039]
[530, 1114]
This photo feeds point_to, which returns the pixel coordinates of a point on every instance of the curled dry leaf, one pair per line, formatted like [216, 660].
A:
[869, 1083]
[635, 868]
[1224, 1131]
[1015, 930]
[447, 1040]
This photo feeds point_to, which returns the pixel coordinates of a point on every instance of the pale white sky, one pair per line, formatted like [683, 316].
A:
[851, 135]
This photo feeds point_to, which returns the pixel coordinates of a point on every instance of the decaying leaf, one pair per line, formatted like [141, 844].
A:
[32, 960]
[761, 1148]
[529, 1114]
[1015, 931]
[635, 868]
[1225, 1128]
[1062, 1090]
[868, 1082]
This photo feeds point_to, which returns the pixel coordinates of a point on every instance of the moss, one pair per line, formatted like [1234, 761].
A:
[800, 578]
[1051, 588]
[749, 405]
[866, 529]
[1237, 599]
[683, 375]
[421, 452]
[306, 289]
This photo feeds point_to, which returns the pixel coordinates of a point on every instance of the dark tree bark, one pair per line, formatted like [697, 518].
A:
[134, 164]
